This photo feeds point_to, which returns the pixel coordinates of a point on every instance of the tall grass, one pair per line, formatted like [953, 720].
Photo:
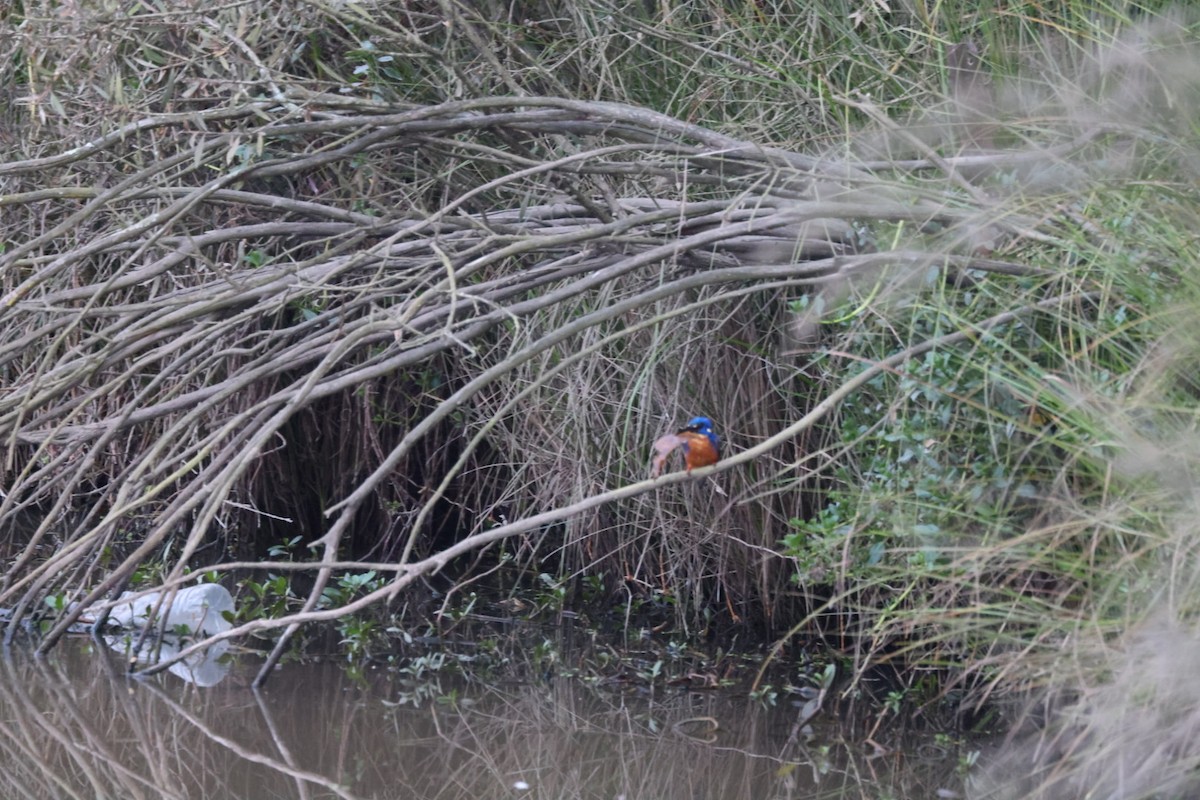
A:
[425, 279]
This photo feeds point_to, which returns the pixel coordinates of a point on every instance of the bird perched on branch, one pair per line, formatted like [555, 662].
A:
[700, 444]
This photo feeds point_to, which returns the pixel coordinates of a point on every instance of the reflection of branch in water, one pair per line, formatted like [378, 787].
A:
[41, 748]
[90, 731]
[711, 725]
[244, 753]
[279, 742]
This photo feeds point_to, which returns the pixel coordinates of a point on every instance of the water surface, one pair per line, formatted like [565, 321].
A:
[74, 725]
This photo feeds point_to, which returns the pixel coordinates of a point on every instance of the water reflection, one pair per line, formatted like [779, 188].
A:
[74, 725]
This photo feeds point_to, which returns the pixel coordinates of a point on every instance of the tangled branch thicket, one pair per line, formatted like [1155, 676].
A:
[248, 298]
[158, 362]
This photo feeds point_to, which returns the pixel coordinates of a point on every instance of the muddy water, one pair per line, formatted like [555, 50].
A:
[75, 726]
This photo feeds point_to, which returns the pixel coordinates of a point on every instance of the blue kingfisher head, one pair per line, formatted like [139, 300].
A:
[704, 426]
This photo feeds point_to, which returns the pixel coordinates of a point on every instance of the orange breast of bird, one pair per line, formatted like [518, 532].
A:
[698, 450]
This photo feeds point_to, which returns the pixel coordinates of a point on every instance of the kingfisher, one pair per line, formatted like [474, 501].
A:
[701, 444]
